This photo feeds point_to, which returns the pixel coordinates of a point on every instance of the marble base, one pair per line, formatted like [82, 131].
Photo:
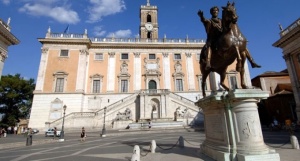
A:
[261, 157]
[232, 126]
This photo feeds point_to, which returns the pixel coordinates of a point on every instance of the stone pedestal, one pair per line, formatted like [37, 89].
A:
[232, 127]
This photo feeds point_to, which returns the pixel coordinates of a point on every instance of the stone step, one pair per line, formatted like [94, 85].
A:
[166, 124]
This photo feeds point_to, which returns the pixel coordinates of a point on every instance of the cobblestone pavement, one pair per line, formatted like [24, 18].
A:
[118, 145]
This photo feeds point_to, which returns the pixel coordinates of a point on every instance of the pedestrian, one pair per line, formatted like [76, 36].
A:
[9, 130]
[15, 129]
[4, 132]
[54, 133]
[82, 135]
[149, 124]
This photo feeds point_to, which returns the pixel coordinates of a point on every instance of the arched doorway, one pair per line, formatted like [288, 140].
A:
[155, 108]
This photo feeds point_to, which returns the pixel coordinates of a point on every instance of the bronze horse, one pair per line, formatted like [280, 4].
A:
[231, 46]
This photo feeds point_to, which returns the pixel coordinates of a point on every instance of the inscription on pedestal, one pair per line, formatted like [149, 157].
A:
[213, 126]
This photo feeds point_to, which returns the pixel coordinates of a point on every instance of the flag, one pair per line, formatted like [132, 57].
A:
[66, 30]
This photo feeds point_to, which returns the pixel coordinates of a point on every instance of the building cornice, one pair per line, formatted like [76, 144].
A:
[289, 34]
[9, 38]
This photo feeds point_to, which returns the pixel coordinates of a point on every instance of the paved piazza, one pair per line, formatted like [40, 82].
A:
[118, 146]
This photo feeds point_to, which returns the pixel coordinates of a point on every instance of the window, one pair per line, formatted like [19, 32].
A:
[124, 86]
[96, 82]
[177, 56]
[64, 53]
[59, 81]
[179, 85]
[149, 18]
[151, 56]
[59, 86]
[124, 56]
[96, 86]
[233, 82]
[98, 56]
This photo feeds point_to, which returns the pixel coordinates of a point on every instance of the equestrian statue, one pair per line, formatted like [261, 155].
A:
[225, 43]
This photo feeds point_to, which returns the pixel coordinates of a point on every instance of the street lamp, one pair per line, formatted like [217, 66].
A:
[62, 128]
[103, 129]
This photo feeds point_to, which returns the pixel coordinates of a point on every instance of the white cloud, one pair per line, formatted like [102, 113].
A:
[6, 2]
[120, 34]
[102, 8]
[98, 31]
[62, 14]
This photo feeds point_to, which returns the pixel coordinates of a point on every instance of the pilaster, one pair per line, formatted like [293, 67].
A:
[81, 71]
[190, 72]
[166, 71]
[137, 72]
[111, 72]
[42, 70]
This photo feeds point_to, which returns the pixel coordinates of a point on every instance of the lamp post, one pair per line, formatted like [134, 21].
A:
[103, 129]
[62, 128]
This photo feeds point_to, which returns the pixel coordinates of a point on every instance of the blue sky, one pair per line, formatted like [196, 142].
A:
[30, 19]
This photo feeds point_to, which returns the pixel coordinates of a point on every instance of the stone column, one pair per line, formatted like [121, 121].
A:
[137, 72]
[166, 71]
[190, 72]
[233, 130]
[3, 56]
[294, 82]
[247, 77]
[42, 69]
[111, 72]
[81, 71]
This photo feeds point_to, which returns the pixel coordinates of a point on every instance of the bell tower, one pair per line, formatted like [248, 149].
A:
[148, 24]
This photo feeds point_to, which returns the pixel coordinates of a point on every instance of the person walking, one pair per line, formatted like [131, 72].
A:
[150, 124]
[55, 133]
[16, 130]
[82, 135]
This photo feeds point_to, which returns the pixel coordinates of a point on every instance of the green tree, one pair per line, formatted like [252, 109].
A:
[16, 94]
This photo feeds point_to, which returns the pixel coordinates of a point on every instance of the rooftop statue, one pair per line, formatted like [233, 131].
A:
[225, 43]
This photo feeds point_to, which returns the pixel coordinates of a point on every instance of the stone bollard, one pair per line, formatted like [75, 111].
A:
[136, 153]
[29, 140]
[181, 142]
[294, 142]
[153, 146]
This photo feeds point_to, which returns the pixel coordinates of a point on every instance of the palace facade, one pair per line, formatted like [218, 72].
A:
[116, 80]
[6, 39]
[289, 42]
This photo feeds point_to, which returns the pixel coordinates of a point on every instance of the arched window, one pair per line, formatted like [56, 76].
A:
[148, 18]
[152, 84]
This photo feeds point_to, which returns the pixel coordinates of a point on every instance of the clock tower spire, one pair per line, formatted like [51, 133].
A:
[148, 24]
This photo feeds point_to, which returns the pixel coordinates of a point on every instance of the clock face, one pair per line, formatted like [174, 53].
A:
[148, 26]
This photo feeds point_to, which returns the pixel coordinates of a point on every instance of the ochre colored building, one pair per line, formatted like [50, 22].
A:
[124, 79]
